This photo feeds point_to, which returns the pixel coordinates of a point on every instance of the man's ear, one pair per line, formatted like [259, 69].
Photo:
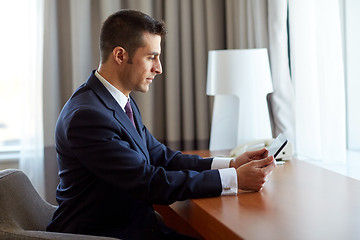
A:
[120, 55]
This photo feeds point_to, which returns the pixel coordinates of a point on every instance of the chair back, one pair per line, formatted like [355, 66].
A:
[20, 204]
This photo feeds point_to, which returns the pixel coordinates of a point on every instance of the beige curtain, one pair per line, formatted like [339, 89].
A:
[247, 24]
[194, 28]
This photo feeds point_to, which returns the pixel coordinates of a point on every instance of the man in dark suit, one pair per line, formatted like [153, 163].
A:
[111, 168]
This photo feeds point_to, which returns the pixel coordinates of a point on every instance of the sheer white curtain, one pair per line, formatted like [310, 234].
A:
[318, 77]
[30, 53]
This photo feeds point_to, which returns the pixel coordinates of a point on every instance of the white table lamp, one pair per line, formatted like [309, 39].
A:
[240, 81]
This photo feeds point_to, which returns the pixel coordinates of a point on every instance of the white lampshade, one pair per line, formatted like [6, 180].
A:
[240, 80]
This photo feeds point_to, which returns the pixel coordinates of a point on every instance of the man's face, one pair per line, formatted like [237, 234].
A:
[144, 65]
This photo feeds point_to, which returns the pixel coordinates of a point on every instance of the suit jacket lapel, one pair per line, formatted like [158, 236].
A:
[119, 114]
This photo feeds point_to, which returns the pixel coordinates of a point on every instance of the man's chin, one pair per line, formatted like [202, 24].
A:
[144, 89]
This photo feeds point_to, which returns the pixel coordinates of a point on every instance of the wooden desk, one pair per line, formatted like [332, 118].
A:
[299, 201]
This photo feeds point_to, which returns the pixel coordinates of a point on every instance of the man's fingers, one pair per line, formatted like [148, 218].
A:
[268, 168]
[258, 154]
[252, 175]
[264, 162]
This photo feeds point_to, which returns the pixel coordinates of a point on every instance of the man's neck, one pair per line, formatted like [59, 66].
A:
[110, 76]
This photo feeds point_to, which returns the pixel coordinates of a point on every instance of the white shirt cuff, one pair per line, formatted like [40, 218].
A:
[220, 162]
[228, 181]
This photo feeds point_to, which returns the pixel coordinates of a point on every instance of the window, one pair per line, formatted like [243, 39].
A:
[19, 24]
[12, 52]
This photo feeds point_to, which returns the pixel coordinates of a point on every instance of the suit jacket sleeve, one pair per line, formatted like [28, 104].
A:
[105, 148]
[173, 160]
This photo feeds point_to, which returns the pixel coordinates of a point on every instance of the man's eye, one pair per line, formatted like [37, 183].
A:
[152, 57]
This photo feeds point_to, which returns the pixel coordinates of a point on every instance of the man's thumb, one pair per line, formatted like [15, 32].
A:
[265, 161]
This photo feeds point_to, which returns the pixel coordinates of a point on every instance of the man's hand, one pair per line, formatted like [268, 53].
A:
[251, 176]
[249, 156]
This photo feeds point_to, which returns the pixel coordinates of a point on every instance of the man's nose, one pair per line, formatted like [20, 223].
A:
[157, 67]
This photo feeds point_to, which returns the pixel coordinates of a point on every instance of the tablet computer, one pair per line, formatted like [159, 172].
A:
[277, 145]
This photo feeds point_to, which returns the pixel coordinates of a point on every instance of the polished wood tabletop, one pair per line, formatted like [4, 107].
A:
[299, 201]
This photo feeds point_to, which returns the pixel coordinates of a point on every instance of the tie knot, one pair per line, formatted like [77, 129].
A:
[128, 108]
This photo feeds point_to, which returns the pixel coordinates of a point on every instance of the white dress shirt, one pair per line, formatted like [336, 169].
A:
[227, 175]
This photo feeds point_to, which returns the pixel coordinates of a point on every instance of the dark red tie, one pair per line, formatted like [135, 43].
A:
[129, 113]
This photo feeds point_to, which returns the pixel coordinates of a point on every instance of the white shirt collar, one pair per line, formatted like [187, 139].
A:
[118, 95]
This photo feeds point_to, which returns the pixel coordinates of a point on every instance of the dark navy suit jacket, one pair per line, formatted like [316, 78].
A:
[111, 174]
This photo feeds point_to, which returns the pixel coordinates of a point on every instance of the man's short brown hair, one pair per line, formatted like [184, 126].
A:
[125, 28]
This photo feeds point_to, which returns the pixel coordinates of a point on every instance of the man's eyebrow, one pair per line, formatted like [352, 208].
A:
[154, 53]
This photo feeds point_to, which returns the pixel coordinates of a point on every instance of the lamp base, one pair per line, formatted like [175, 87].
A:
[224, 125]
[236, 122]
